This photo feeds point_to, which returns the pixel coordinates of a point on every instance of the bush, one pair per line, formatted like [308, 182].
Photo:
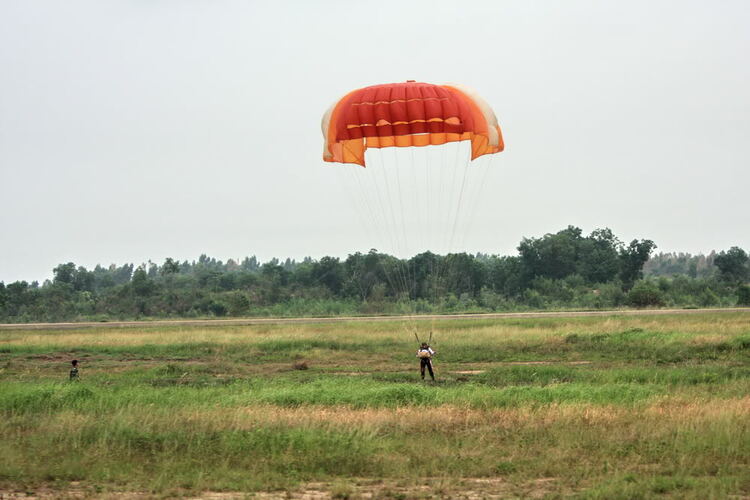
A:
[743, 295]
[645, 294]
[708, 298]
[217, 308]
[534, 299]
[238, 303]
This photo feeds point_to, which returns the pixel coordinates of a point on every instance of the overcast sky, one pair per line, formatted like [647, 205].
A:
[135, 130]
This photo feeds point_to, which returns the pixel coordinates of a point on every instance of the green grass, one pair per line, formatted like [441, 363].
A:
[606, 407]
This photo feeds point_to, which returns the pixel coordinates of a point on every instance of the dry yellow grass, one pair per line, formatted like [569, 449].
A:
[694, 327]
[670, 412]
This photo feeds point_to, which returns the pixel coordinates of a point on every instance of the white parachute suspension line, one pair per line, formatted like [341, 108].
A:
[432, 204]
[429, 219]
[459, 204]
[423, 204]
[382, 215]
[402, 273]
[343, 171]
[435, 208]
[434, 278]
[476, 170]
[370, 202]
[446, 218]
[415, 222]
[401, 267]
[456, 161]
[441, 209]
[400, 281]
[400, 201]
[362, 203]
[478, 185]
[455, 198]
[445, 197]
[431, 216]
[407, 218]
[415, 217]
[476, 180]
[403, 257]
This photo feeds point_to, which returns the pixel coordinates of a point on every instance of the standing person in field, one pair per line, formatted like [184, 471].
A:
[74, 371]
[425, 353]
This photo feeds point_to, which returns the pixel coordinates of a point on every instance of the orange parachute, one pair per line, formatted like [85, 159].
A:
[408, 114]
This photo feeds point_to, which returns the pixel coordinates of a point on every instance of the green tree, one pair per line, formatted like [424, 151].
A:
[170, 266]
[274, 279]
[632, 259]
[329, 272]
[83, 280]
[362, 273]
[17, 297]
[423, 268]
[505, 275]
[123, 274]
[463, 274]
[64, 273]
[551, 256]
[598, 260]
[142, 284]
[3, 300]
[733, 265]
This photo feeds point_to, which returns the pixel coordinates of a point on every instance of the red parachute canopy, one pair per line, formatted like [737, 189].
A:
[408, 114]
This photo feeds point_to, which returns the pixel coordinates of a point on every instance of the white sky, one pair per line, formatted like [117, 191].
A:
[135, 130]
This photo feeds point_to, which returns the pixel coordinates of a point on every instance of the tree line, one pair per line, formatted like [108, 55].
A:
[566, 269]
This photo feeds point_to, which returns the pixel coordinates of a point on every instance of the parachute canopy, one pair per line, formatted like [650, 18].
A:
[408, 114]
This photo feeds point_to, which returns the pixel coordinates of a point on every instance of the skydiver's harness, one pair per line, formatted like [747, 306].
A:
[425, 353]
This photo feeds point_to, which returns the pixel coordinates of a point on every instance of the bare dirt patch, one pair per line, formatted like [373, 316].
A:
[512, 363]
[547, 363]
[374, 489]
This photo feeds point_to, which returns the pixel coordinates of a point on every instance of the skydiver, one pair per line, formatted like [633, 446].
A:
[425, 353]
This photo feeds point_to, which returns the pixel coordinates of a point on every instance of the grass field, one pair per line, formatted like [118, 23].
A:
[588, 407]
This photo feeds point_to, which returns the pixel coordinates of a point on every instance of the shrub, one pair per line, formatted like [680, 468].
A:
[645, 294]
[237, 303]
[708, 298]
[743, 295]
[217, 308]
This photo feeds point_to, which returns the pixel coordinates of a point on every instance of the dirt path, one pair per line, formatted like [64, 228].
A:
[426, 317]
[375, 489]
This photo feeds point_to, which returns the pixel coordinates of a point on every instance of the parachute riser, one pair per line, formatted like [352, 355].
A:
[429, 341]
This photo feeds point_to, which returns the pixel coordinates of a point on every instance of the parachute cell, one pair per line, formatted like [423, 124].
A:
[408, 114]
